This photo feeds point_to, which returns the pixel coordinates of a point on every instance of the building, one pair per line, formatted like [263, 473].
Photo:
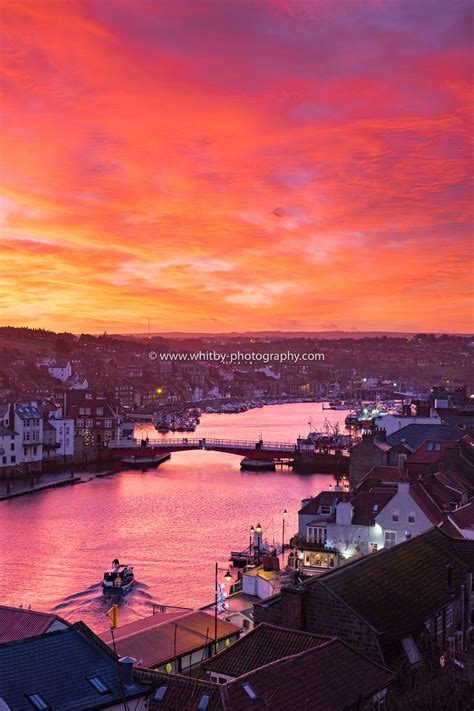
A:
[28, 422]
[68, 668]
[19, 623]
[172, 642]
[388, 605]
[60, 371]
[280, 670]
[95, 420]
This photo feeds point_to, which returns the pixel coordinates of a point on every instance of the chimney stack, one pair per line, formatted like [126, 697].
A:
[126, 670]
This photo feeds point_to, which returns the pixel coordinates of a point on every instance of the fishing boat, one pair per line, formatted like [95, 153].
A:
[258, 464]
[119, 580]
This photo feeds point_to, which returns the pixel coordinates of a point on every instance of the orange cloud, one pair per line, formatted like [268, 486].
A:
[224, 166]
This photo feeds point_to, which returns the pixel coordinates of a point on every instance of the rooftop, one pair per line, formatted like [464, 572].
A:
[263, 645]
[154, 641]
[58, 666]
[18, 623]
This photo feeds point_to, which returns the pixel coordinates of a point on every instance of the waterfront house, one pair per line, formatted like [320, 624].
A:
[68, 668]
[388, 605]
[362, 522]
[28, 422]
[171, 642]
[10, 446]
[19, 623]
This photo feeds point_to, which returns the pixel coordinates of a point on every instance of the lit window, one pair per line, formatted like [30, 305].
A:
[38, 702]
[430, 447]
[203, 702]
[160, 693]
[438, 447]
[375, 508]
[249, 691]
[98, 685]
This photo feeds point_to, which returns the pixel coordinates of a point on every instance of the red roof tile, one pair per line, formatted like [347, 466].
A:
[17, 623]
[426, 503]
[155, 641]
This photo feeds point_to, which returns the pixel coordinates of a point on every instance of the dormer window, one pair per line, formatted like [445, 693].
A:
[325, 510]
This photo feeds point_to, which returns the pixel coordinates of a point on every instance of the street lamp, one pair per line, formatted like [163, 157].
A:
[227, 578]
[258, 531]
[285, 513]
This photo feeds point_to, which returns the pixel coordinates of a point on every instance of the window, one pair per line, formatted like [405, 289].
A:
[38, 702]
[449, 616]
[98, 685]
[317, 534]
[12, 446]
[108, 424]
[249, 691]
[390, 539]
[4, 460]
[99, 411]
[411, 650]
[395, 515]
[375, 508]
[378, 701]
[13, 459]
[373, 547]
[430, 447]
[324, 510]
[203, 702]
[160, 693]
[411, 517]
[401, 460]
[438, 447]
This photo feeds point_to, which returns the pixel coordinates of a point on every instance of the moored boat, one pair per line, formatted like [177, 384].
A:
[119, 580]
[258, 464]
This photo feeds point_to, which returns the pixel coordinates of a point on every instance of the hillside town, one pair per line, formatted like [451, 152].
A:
[369, 605]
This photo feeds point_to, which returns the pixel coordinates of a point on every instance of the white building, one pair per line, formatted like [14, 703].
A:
[10, 447]
[393, 423]
[60, 371]
[337, 525]
[28, 422]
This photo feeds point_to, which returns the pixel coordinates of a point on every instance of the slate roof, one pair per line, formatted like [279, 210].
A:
[57, 666]
[156, 641]
[28, 412]
[396, 589]
[263, 645]
[416, 434]
[18, 623]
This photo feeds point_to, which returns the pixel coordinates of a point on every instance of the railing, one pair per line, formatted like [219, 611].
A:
[203, 443]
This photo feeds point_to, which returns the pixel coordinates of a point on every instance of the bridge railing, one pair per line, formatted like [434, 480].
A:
[203, 443]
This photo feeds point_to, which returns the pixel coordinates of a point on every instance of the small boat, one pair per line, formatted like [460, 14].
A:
[119, 580]
[258, 464]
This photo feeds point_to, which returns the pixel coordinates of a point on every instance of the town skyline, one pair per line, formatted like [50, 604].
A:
[238, 166]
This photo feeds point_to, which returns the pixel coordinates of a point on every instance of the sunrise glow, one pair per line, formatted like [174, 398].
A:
[215, 166]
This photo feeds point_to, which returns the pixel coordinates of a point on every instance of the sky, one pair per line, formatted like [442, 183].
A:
[242, 165]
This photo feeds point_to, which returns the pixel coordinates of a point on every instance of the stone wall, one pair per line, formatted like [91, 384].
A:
[364, 456]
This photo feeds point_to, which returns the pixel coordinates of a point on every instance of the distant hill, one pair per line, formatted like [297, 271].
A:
[330, 335]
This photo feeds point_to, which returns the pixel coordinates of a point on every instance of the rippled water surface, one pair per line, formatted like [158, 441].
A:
[171, 523]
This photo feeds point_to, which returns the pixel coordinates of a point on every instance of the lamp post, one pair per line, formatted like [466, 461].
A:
[285, 513]
[227, 578]
[258, 531]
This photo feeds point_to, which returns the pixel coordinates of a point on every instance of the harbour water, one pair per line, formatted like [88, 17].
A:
[171, 523]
